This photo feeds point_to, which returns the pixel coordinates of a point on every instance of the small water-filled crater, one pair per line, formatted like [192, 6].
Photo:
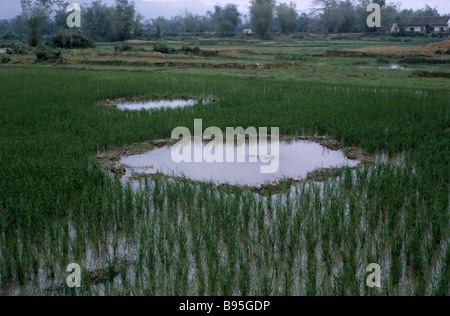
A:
[167, 102]
[244, 163]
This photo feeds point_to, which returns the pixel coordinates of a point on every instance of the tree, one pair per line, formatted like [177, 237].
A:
[230, 13]
[287, 17]
[226, 19]
[325, 10]
[98, 21]
[138, 25]
[382, 3]
[158, 26]
[261, 14]
[303, 23]
[190, 22]
[124, 19]
[345, 17]
[403, 19]
[427, 11]
[428, 29]
[389, 14]
[61, 16]
[36, 14]
[205, 23]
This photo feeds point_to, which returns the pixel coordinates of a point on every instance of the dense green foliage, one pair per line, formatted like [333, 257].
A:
[46, 53]
[56, 203]
[261, 13]
[66, 39]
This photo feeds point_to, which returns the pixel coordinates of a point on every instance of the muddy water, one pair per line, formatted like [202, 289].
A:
[295, 159]
[155, 104]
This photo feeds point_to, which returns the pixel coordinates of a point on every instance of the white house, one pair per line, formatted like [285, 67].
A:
[418, 24]
[248, 31]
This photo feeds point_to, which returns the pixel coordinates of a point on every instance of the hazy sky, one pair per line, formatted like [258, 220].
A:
[11, 8]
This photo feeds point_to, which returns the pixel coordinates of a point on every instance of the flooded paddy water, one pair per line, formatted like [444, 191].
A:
[294, 159]
[155, 104]
[165, 102]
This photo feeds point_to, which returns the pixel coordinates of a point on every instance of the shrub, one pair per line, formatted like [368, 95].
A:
[9, 35]
[14, 49]
[197, 51]
[66, 39]
[210, 53]
[439, 52]
[124, 48]
[440, 34]
[5, 60]
[381, 60]
[188, 50]
[45, 53]
[164, 49]
[422, 60]
[292, 57]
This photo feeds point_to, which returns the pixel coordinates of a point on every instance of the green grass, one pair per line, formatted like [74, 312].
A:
[55, 203]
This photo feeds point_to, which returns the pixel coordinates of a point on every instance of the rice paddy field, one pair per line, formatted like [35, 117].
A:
[58, 205]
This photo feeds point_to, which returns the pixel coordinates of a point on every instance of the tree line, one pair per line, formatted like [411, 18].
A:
[121, 21]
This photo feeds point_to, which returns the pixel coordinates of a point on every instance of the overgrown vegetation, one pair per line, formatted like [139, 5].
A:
[68, 40]
[124, 48]
[13, 49]
[423, 60]
[292, 57]
[48, 54]
[199, 52]
[5, 59]
[163, 49]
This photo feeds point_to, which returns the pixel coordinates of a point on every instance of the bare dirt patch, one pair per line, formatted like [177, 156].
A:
[433, 47]
[393, 51]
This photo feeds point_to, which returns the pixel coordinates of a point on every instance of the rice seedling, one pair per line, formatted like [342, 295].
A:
[58, 206]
